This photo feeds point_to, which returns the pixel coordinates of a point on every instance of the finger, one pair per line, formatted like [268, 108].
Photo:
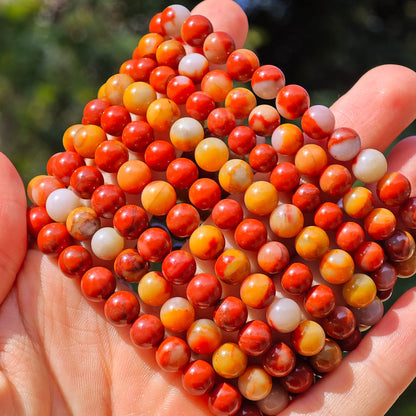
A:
[379, 106]
[226, 16]
[366, 383]
[12, 225]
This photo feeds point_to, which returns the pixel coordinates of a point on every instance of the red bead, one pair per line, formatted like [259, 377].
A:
[231, 314]
[380, 223]
[335, 180]
[292, 101]
[255, 338]
[227, 214]
[320, 301]
[400, 246]
[385, 277]
[172, 18]
[262, 158]
[181, 173]
[114, 119]
[203, 290]
[242, 140]
[297, 278]
[241, 64]
[217, 84]
[241, 102]
[85, 180]
[218, 46]
[318, 122]
[407, 213]
[155, 25]
[195, 29]
[139, 69]
[173, 354]
[160, 77]
[137, 135]
[36, 217]
[199, 105]
[307, 197]
[93, 111]
[369, 256]
[169, 53]
[250, 234]
[204, 193]
[62, 165]
[130, 221]
[224, 400]
[351, 342]
[53, 238]
[98, 283]
[393, 188]
[273, 257]
[349, 236]
[179, 88]
[285, 176]
[147, 331]
[221, 122]
[198, 377]
[340, 323]
[279, 360]
[154, 244]
[130, 266]
[159, 154]
[182, 220]
[121, 308]
[74, 261]
[267, 81]
[178, 267]
[110, 155]
[328, 216]
[300, 379]
[107, 199]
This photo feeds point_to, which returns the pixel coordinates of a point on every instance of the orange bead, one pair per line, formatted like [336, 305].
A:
[235, 176]
[154, 289]
[114, 88]
[360, 291]
[232, 266]
[87, 139]
[358, 202]
[138, 96]
[177, 314]
[229, 361]
[206, 242]
[240, 101]
[133, 176]
[287, 139]
[312, 243]
[308, 338]
[261, 198]
[162, 113]
[380, 223]
[148, 45]
[311, 159]
[337, 266]
[68, 137]
[286, 221]
[158, 197]
[257, 290]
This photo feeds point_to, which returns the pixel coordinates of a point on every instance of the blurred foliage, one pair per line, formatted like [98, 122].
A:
[55, 54]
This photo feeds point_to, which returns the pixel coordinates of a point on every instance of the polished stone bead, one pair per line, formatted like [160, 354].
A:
[229, 361]
[173, 354]
[231, 314]
[147, 331]
[255, 383]
[283, 315]
[279, 360]
[308, 338]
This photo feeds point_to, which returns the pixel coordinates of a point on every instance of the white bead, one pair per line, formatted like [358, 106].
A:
[194, 66]
[370, 165]
[107, 243]
[323, 117]
[60, 203]
[283, 315]
[180, 14]
[275, 401]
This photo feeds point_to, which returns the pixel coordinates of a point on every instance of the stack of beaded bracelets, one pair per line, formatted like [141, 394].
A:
[171, 153]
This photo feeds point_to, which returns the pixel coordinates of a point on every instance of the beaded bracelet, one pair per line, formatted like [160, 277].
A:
[175, 169]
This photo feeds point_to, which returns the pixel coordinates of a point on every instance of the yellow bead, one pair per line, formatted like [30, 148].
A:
[312, 243]
[229, 361]
[261, 198]
[308, 338]
[360, 291]
[255, 384]
[154, 289]
[358, 202]
[158, 197]
[138, 96]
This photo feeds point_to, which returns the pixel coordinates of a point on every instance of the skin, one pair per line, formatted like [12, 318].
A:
[58, 355]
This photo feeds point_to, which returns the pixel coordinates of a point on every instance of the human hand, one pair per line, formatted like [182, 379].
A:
[60, 356]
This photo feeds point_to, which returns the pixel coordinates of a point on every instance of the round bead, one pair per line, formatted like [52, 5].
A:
[63, 164]
[283, 315]
[74, 261]
[277, 400]
[406, 268]
[380, 223]
[133, 176]
[211, 154]
[400, 246]
[107, 243]
[241, 64]
[204, 336]
[250, 234]
[311, 159]
[279, 360]
[255, 338]
[173, 354]
[235, 176]
[285, 176]
[318, 122]
[87, 139]
[130, 221]
[300, 379]
[169, 53]
[340, 323]
[337, 266]
[130, 266]
[349, 236]
[231, 314]
[146, 331]
[218, 46]
[162, 113]
[137, 99]
[242, 140]
[203, 290]
[177, 314]
[292, 101]
[287, 139]
[328, 216]
[93, 111]
[297, 278]
[53, 238]
[263, 158]
[393, 189]
[358, 202]
[114, 88]
[179, 88]
[369, 256]
[273, 257]
[85, 180]
[160, 77]
[154, 244]
[407, 213]
[217, 84]
[182, 173]
[182, 220]
[121, 308]
[240, 101]
[286, 221]
[194, 66]
[229, 361]
[224, 400]
[320, 301]
[267, 81]
[221, 121]
[148, 44]
[158, 197]
[204, 193]
[172, 18]
[308, 338]
[264, 119]
[98, 283]
[384, 277]
[69, 134]
[199, 105]
[178, 267]
[232, 266]
[37, 217]
[198, 377]
[312, 243]
[360, 291]
[371, 314]
[344, 144]
[257, 290]
[195, 29]
[261, 198]
[328, 359]
[335, 180]
[186, 133]
[370, 165]
[307, 197]
[114, 119]
[227, 214]
[82, 223]
[60, 203]
[154, 289]
[107, 199]
[254, 383]
[139, 69]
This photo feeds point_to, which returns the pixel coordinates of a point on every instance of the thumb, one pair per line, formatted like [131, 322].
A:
[13, 241]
